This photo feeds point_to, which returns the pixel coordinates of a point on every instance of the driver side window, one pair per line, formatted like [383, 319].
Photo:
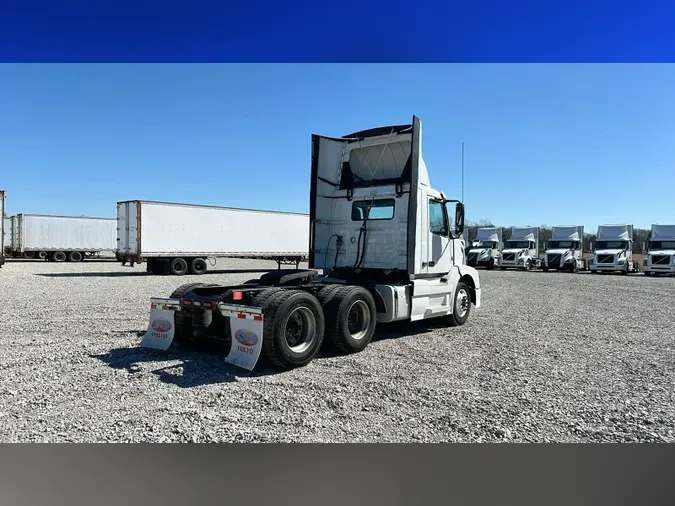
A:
[438, 223]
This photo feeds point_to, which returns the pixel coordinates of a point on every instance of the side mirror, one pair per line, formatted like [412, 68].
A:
[459, 218]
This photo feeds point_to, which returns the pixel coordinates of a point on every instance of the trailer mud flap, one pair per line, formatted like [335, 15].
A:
[246, 329]
[161, 328]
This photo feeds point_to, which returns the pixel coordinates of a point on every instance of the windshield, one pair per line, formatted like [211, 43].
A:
[661, 244]
[517, 244]
[611, 245]
[562, 244]
[483, 244]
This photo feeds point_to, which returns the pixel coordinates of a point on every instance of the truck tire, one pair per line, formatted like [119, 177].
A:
[58, 256]
[29, 255]
[351, 317]
[461, 306]
[490, 264]
[198, 266]
[293, 329]
[74, 256]
[42, 255]
[178, 267]
[182, 322]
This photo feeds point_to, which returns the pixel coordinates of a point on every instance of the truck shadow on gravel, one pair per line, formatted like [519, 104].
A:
[207, 366]
[122, 274]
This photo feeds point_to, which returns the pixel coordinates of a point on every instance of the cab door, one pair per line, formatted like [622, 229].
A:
[439, 250]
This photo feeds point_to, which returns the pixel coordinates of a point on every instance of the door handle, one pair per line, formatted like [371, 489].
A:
[432, 263]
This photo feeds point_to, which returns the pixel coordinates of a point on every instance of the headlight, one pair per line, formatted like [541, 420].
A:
[622, 260]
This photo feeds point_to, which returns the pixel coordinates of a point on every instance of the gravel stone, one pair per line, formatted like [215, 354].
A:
[550, 357]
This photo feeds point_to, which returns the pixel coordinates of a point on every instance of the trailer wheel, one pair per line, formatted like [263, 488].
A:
[461, 306]
[29, 255]
[351, 317]
[58, 256]
[178, 266]
[198, 266]
[294, 328]
[183, 335]
[42, 255]
[74, 256]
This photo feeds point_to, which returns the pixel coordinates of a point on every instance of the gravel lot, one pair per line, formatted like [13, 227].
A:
[587, 358]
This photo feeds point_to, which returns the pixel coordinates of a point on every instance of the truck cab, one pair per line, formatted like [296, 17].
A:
[521, 251]
[613, 250]
[661, 251]
[485, 251]
[384, 246]
[565, 249]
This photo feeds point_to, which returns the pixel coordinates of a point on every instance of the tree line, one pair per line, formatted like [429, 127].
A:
[640, 235]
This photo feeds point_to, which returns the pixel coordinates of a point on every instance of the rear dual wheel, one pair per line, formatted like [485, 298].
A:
[296, 322]
[180, 266]
[294, 326]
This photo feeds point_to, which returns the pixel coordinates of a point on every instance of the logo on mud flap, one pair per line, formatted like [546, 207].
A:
[246, 337]
[161, 326]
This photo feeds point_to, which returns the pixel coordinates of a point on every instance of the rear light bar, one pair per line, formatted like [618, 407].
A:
[197, 303]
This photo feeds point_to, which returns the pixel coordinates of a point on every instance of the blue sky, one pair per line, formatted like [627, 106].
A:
[545, 144]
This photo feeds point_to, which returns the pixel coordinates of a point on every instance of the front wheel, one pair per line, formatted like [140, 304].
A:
[461, 307]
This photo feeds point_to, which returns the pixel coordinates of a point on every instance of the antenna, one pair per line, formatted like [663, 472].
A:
[462, 172]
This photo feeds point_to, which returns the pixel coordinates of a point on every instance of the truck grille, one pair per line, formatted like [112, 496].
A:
[509, 257]
[605, 259]
[660, 259]
[554, 260]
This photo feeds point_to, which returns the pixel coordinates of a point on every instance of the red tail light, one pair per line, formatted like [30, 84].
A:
[237, 295]
[186, 302]
[207, 304]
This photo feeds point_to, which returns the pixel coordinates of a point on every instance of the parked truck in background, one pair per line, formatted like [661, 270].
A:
[61, 238]
[385, 242]
[486, 247]
[3, 227]
[565, 249]
[613, 250]
[178, 239]
[661, 252]
[521, 251]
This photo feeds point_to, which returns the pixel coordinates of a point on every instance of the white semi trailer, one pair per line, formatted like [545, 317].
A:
[565, 250]
[3, 228]
[178, 238]
[521, 251]
[485, 250]
[613, 250]
[385, 242]
[661, 252]
[61, 238]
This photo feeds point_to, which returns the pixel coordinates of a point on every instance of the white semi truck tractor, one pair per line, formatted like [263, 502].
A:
[389, 246]
[485, 250]
[613, 250]
[565, 249]
[661, 252]
[521, 251]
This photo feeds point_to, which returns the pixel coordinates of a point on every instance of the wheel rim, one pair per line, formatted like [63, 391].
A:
[462, 302]
[358, 319]
[300, 329]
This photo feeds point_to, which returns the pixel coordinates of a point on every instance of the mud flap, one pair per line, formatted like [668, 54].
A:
[161, 328]
[246, 329]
